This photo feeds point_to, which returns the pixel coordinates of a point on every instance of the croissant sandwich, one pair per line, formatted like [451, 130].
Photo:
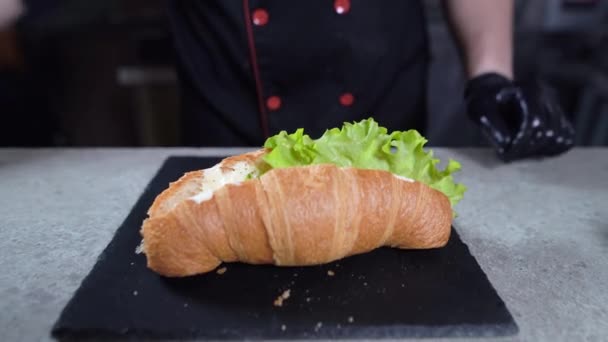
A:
[300, 201]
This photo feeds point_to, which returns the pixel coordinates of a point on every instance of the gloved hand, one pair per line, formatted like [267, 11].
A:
[519, 120]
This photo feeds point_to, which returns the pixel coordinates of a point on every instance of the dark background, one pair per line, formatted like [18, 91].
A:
[100, 72]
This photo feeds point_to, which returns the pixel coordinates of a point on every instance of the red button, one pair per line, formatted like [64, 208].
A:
[260, 17]
[342, 6]
[273, 102]
[347, 99]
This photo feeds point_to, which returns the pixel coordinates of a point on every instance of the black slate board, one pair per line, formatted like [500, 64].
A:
[385, 293]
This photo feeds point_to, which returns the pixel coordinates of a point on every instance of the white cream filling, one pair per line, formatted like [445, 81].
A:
[202, 196]
[404, 178]
[214, 178]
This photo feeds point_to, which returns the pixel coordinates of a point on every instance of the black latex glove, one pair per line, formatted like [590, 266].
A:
[519, 120]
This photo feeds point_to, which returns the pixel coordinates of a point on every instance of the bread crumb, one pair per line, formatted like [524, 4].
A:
[351, 319]
[140, 248]
[221, 271]
[283, 327]
[132, 263]
[307, 299]
[331, 273]
[365, 283]
[185, 305]
[318, 326]
[282, 297]
[135, 293]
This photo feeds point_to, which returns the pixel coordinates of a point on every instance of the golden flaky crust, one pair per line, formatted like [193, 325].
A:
[292, 216]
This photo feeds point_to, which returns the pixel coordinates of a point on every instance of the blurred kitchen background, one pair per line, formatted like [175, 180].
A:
[100, 72]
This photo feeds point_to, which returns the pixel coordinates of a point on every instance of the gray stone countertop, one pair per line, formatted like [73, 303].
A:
[538, 228]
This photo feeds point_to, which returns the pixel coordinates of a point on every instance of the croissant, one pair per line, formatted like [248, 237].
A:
[293, 216]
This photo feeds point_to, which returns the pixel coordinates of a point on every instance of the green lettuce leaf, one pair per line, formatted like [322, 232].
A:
[366, 145]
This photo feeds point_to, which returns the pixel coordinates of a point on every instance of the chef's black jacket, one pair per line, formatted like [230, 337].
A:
[251, 68]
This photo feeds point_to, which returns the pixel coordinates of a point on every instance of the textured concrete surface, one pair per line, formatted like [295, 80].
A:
[539, 229]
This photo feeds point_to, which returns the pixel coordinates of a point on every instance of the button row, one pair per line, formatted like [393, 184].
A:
[260, 16]
[273, 103]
